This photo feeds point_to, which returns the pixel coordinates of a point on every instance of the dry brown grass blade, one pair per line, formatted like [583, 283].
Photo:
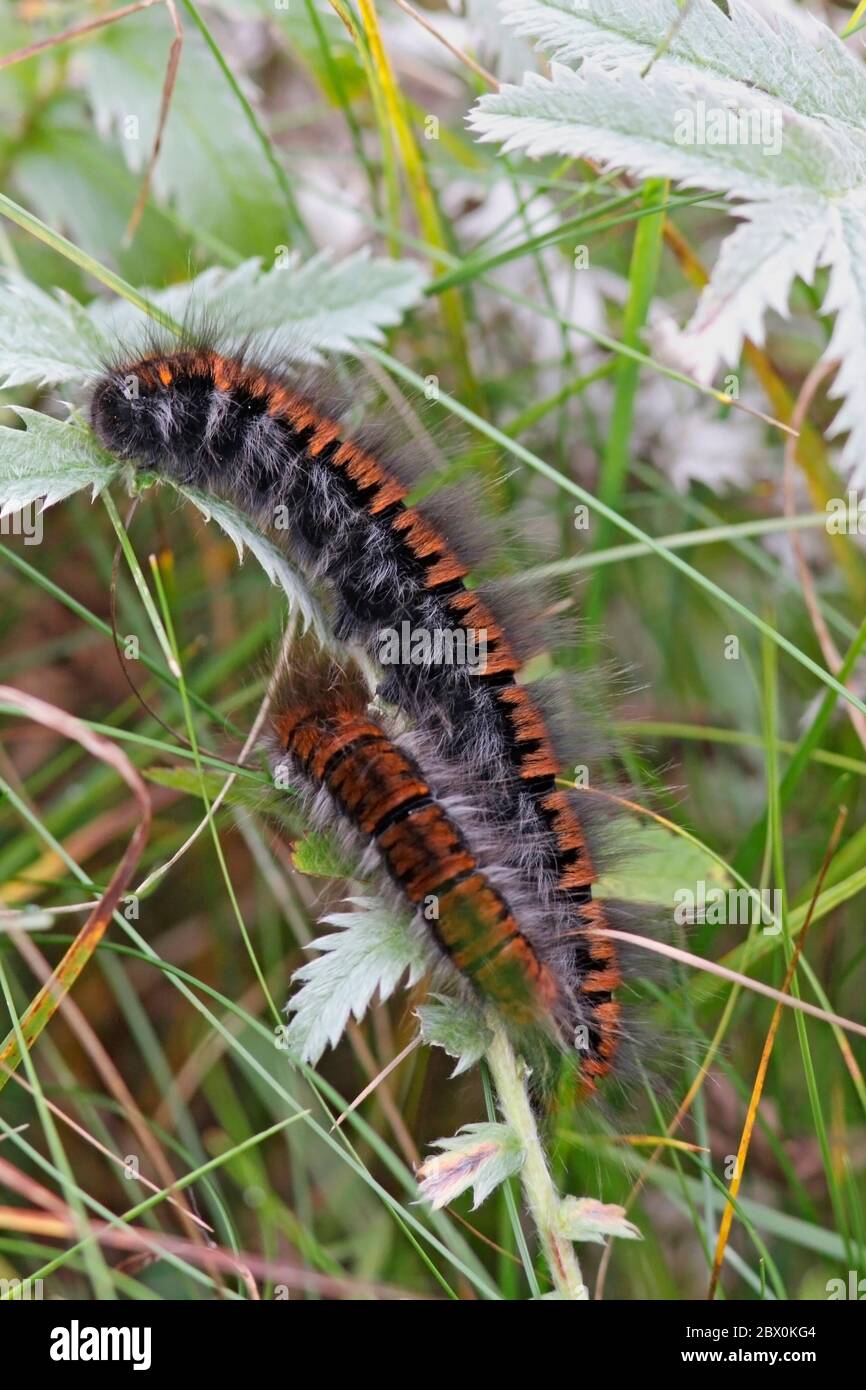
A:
[113, 1080]
[60, 1226]
[81, 845]
[164, 108]
[384, 1095]
[761, 1074]
[44, 1005]
[28, 1188]
[77, 31]
[452, 47]
[95, 1143]
[711, 967]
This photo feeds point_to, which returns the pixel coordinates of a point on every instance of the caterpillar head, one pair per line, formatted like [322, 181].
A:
[132, 416]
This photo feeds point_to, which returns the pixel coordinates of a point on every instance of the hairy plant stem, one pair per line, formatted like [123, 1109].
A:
[541, 1195]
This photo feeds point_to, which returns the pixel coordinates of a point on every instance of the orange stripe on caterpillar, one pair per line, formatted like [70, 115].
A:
[606, 1018]
[425, 850]
[577, 870]
[425, 542]
[324, 434]
[600, 981]
[368, 475]
[223, 377]
[422, 538]
[527, 721]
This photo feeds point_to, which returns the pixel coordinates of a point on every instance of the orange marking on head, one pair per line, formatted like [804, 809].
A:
[309, 736]
[259, 386]
[145, 374]
[284, 726]
[223, 380]
[202, 363]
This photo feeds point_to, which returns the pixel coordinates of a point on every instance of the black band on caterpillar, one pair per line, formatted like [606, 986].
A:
[242, 432]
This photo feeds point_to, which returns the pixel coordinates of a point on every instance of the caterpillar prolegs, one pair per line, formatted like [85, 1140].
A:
[243, 431]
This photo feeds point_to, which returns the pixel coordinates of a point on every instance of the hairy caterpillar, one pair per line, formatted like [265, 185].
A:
[416, 826]
[244, 431]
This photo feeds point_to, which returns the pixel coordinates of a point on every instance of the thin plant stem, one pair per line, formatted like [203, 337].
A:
[542, 1198]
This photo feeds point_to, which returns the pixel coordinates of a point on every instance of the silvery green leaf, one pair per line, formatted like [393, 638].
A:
[846, 297]
[806, 65]
[480, 1156]
[318, 852]
[44, 340]
[457, 1026]
[756, 266]
[587, 1219]
[790, 103]
[643, 124]
[295, 309]
[49, 460]
[246, 535]
[371, 952]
